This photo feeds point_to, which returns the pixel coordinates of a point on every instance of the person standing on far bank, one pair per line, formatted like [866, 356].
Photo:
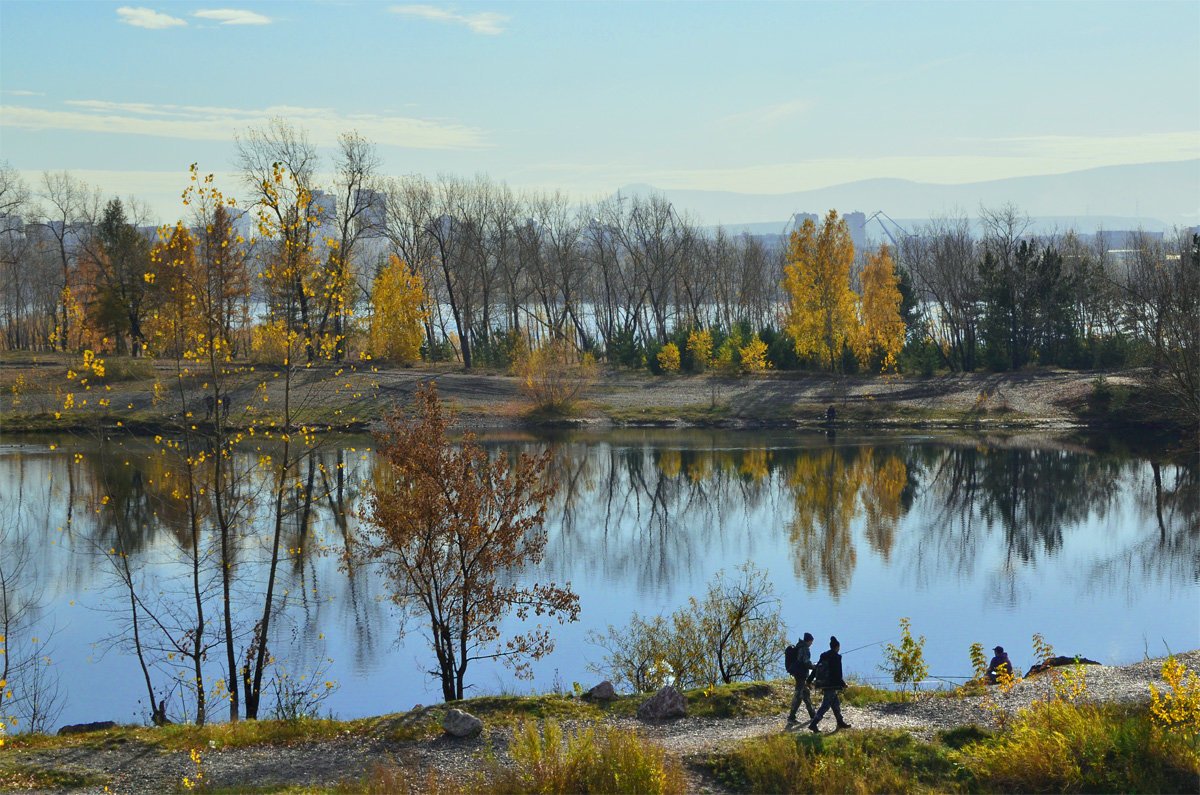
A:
[801, 671]
[828, 676]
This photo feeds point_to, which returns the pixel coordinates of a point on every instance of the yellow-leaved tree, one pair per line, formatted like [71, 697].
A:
[882, 328]
[754, 355]
[822, 311]
[668, 358]
[174, 321]
[398, 308]
[699, 345]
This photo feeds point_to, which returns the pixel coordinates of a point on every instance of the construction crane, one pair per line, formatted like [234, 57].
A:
[903, 233]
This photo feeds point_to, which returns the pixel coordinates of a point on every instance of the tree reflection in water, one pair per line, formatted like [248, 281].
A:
[645, 514]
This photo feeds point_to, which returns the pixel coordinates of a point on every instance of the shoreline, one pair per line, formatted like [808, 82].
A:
[326, 754]
[1048, 400]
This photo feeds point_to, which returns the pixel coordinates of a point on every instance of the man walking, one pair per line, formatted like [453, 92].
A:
[828, 677]
[800, 667]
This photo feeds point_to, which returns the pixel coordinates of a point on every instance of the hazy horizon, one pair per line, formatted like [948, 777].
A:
[757, 98]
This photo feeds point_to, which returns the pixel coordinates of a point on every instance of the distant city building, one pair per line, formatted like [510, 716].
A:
[858, 229]
[372, 215]
[323, 207]
[857, 222]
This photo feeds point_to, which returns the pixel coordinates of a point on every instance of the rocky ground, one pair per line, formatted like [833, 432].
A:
[132, 767]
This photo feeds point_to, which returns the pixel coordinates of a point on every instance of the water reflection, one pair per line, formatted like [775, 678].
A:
[640, 518]
[644, 508]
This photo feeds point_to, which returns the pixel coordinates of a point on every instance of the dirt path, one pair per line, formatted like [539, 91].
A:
[136, 768]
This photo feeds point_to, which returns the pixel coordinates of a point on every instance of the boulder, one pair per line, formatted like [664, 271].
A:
[84, 728]
[666, 703]
[461, 724]
[1057, 662]
[601, 692]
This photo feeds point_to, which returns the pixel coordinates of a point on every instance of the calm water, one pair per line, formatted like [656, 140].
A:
[974, 541]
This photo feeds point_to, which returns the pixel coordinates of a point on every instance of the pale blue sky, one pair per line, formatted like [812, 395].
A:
[750, 97]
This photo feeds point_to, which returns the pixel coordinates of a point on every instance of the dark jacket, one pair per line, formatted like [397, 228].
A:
[999, 662]
[833, 667]
[803, 661]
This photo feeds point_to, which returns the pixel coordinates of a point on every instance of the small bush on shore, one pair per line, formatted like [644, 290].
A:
[600, 759]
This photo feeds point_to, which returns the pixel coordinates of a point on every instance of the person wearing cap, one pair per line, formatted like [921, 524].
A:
[999, 663]
[803, 669]
[830, 681]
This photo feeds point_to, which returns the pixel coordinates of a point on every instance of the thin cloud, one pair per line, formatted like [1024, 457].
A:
[200, 123]
[1148, 147]
[20, 92]
[148, 18]
[233, 16]
[769, 114]
[487, 23]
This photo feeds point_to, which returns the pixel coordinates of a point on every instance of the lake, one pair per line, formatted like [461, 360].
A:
[973, 539]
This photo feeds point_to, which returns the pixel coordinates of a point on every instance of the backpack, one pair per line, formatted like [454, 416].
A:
[821, 672]
[791, 662]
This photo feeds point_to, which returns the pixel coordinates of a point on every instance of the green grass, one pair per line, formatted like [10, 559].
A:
[1057, 747]
[183, 737]
[859, 762]
[695, 414]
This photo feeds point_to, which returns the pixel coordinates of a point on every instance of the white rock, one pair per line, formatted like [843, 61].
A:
[461, 724]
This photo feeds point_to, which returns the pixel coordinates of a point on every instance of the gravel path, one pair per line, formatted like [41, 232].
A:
[135, 768]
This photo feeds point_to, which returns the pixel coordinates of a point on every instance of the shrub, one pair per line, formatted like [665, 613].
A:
[699, 349]
[124, 368]
[1060, 746]
[271, 343]
[754, 355]
[624, 349]
[554, 376]
[906, 662]
[668, 358]
[1179, 708]
[606, 759]
[979, 661]
[735, 633]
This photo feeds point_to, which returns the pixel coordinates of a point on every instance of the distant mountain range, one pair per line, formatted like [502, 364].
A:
[1155, 196]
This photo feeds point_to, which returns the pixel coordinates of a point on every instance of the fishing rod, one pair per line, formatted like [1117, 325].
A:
[869, 645]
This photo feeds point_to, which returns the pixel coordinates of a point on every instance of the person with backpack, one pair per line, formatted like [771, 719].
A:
[798, 662]
[828, 676]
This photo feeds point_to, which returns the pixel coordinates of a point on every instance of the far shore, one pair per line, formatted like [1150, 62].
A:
[337, 399]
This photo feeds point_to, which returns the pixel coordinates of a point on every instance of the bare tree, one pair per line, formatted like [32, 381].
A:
[1161, 290]
[941, 258]
[359, 210]
[278, 165]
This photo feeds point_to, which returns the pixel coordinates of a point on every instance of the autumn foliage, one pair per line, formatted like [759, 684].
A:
[879, 307]
[555, 376]
[824, 315]
[452, 530]
[398, 308]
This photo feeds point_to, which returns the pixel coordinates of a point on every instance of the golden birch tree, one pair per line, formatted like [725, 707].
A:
[821, 313]
[882, 328]
[399, 308]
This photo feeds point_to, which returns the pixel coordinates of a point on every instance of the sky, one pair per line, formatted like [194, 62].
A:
[590, 96]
